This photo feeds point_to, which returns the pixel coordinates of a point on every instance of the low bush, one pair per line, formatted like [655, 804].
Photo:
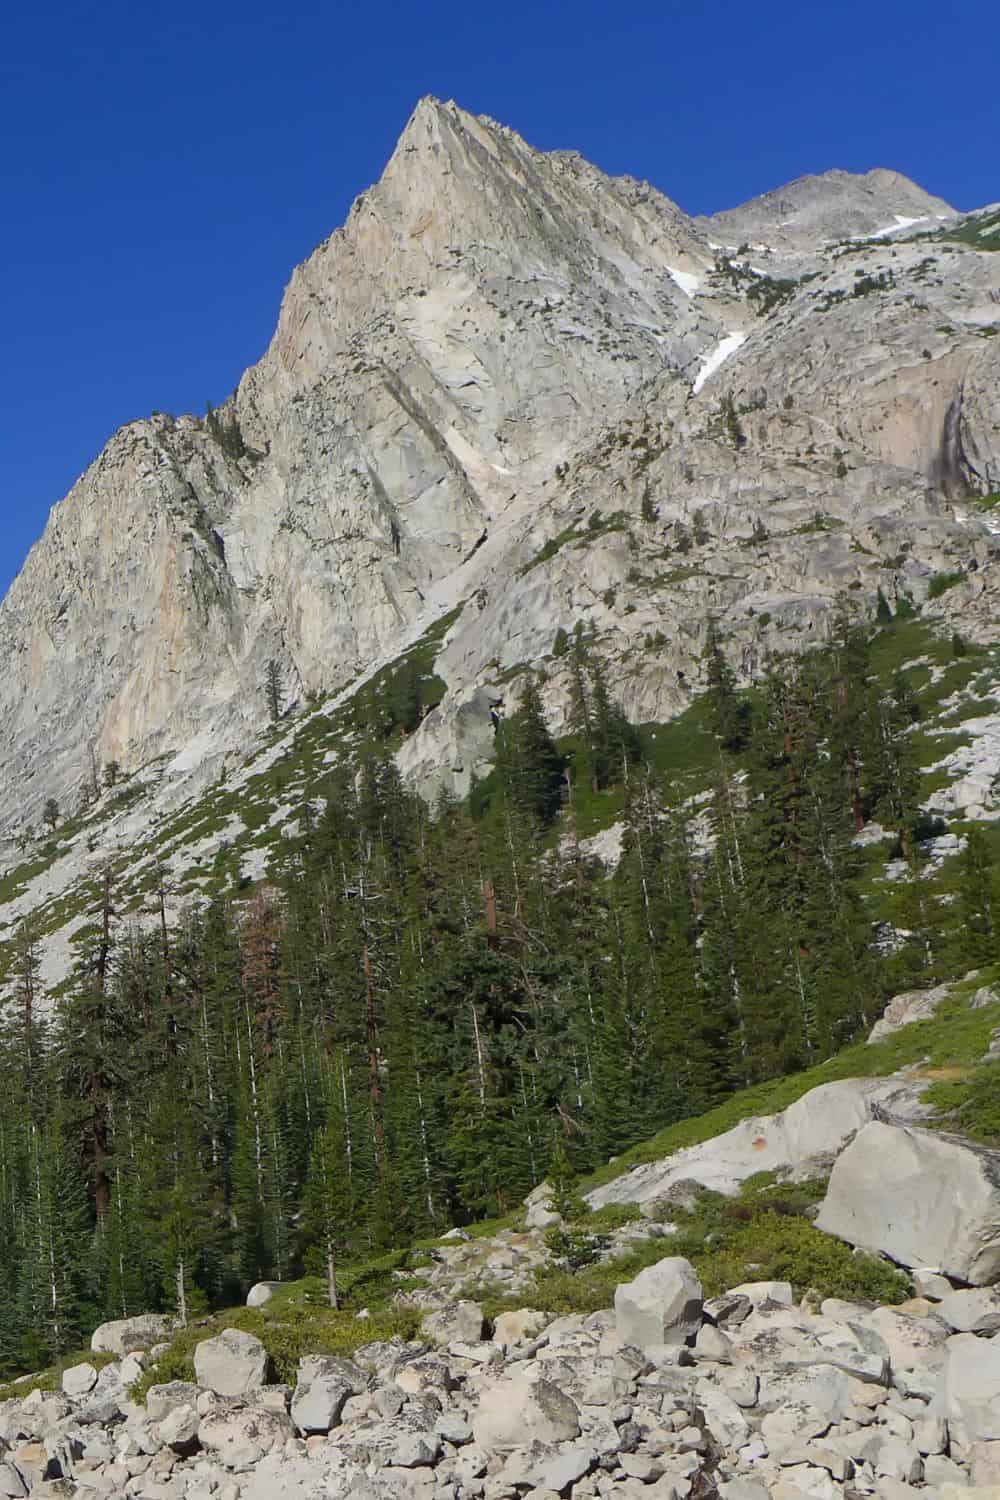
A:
[288, 1332]
[970, 1106]
[764, 1235]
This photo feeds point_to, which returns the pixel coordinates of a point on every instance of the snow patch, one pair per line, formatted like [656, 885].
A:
[712, 362]
[902, 222]
[686, 280]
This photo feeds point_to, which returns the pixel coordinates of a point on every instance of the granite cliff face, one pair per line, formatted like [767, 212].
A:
[515, 387]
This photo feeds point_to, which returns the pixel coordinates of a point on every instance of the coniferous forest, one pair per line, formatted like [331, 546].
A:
[422, 1006]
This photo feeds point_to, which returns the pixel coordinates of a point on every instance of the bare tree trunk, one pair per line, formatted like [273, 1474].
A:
[331, 1275]
[182, 1307]
[480, 1064]
[490, 898]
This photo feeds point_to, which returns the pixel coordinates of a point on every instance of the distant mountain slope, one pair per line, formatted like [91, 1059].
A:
[832, 205]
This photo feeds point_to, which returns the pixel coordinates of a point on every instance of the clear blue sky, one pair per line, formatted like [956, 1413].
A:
[163, 166]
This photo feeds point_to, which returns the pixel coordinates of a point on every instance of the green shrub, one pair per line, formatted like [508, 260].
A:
[971, 1105]
[51, 1379]
[764, 1235]
[287, 1331]
[942, 582]
[573, 1245]
[613, 1216]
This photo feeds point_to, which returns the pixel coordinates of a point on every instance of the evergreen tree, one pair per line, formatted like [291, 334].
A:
[979, 898]
[273, 689]
[730, 714]
[530, 768]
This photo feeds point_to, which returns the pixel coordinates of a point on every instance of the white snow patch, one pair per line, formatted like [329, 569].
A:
[686, 280]
[712, 362]
[902, 222]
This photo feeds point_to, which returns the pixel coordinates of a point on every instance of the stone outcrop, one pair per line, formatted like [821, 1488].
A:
[800, 1141]
[233, 1364]
[832, 206]
[125, 1334]
[761, 1396]
[921, 1198]
[904, 1010]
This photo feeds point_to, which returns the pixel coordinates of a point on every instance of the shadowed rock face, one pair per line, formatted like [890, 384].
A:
[498, 351]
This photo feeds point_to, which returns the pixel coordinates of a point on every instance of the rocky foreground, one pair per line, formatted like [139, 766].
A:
[667, 1395]
[744, 1395]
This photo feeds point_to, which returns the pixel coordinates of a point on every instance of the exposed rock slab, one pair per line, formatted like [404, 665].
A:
[921, 1198]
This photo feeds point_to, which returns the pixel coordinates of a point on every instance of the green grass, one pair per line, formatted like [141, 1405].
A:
[50, 1379]
[684, 750]
[980, 230]
[290, 1326]
[942, 582]
[970, 1106]
[552, 546]
[598, 525]
[763, 1235]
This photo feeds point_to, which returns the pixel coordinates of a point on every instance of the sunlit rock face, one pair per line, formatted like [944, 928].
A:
[518, 388]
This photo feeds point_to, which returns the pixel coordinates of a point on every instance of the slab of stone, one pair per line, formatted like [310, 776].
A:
[123, 1335]
[662, 1305]
[968, 1390]
[232, 1364]
[920, 1198]
[519, 1410]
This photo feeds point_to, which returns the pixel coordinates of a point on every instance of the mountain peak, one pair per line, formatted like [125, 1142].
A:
[832, 205]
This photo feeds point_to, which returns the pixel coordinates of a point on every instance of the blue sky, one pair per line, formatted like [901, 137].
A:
[163, 167]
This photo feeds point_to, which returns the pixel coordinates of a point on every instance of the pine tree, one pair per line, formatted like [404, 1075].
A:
[730, 714]
[273, 689]
[530, 768]
[979, 899]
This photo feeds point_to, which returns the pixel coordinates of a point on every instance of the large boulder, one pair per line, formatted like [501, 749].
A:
[968, 1392]
[518, 1411]
[233, 1364]
[455, 1323]
[513, 1328]
[179, 1428]
[661, 1306]
[975, 1310]
[161, 1400]
[261, 1292]
[125, 1334]
[922, 1199]
[79, 1380]
[912, 1342]
[11, 1482]
[240, 1436]
[324, 1384]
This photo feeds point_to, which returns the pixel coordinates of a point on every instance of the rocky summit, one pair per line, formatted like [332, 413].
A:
[500, 870]
[503, 393]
